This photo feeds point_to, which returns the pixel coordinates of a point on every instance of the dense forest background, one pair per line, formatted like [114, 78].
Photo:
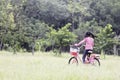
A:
[44, 25]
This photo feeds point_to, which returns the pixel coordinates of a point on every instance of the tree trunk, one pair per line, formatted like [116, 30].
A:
[1, 45]
[60, 50]
[33, 45]
[14, 51]
[115, 46]
[103, 54]
[115, 50]
[33, 48]
[73, 21]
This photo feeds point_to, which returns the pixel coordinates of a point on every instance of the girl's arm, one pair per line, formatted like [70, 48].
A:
[80, 42]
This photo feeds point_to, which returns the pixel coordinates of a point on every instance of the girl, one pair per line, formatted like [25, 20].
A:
[89, 44]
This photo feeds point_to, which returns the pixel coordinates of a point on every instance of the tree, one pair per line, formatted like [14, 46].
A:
[30, 31]
[91, 26]
[61, 38]
[7, 23]
[116, 44]
[104, 41]
[105, 12]
[22, 22]
[36, 30]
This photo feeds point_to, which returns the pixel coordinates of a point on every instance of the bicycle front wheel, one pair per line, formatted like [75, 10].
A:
[73, 60]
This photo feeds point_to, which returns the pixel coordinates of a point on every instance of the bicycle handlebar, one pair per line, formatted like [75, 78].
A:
[77, 46]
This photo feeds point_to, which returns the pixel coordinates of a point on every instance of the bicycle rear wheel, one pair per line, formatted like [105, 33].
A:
[73, 60]
[96, 62]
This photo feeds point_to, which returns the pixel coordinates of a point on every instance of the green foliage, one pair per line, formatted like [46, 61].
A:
[91, 26]
[62, 37]
[24, 23]
[7, 24]
[104, 40]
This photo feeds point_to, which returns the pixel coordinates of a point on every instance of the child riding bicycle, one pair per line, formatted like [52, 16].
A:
[89, 44]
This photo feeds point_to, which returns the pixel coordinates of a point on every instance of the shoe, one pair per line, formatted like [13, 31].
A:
[86, 62]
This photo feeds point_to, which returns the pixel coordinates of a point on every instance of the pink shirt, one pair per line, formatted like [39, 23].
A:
[89, 43]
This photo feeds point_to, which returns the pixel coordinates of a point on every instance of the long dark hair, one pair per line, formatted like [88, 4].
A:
[89, 34]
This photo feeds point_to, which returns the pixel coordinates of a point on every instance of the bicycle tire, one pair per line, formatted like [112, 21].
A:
[96, 62]
[73, 59]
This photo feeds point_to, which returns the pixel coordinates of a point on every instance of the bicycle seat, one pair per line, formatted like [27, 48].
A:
[90, 51]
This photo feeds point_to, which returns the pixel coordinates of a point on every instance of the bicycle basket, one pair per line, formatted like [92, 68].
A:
[74, 50]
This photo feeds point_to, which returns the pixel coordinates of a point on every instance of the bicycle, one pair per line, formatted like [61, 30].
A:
[90, 58]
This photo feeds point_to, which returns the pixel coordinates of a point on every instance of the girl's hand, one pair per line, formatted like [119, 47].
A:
[75, 44]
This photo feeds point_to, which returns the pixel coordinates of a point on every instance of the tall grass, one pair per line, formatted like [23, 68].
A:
[48, 67]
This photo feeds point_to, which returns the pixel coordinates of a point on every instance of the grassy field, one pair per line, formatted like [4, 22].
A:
[48, 67]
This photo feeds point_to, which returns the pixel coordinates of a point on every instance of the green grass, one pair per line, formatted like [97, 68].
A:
[48, 67]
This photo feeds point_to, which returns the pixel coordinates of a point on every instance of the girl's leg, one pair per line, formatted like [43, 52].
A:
[84, 56]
